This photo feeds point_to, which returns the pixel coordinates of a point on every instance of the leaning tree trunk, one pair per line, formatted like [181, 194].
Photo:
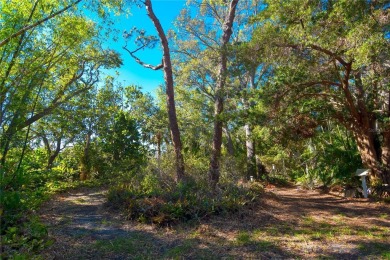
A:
[386, 157]
[374, 157]
[168, 77]
[53, 155]
[214, 172]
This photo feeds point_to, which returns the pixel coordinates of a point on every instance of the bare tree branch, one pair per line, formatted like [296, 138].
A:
[148, 66]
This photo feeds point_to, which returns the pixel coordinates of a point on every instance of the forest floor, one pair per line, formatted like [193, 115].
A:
[286, 223]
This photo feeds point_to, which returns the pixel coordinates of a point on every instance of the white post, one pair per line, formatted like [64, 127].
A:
[362, 173]
[364, 185]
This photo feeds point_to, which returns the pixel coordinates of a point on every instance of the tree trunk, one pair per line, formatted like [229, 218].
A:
[214, 172]
[250, 153]
[168, 77]
[249, 144]
[85, 160]
[159, 141]
[217, 142]
[230, 146]
[371, 158]
[261, 170]
[53, 155]
[386, 154]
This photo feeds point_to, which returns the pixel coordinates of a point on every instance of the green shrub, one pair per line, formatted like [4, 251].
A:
[175, 203]
[150, 185]
[24, 239]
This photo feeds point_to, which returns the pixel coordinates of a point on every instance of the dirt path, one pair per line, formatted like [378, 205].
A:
[286, 223]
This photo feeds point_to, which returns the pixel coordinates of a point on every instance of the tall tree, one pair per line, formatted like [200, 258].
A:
[336, 52]
[227, 26]
[61, 64]
[169, 86]
[203, 50]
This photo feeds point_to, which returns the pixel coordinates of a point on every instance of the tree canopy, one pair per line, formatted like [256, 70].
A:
[254, 91]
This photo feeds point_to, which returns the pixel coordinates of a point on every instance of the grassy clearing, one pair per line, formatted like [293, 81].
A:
[310, 235]
[274, 227]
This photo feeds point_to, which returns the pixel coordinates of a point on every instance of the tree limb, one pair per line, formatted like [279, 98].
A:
[317, 48]
[148, 66]
[28, 27]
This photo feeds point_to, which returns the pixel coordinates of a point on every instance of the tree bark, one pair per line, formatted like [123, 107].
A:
[54, 155]
[168, 78]
[229, 141]
[85, 160]
[249, 144]
[250, 153]
[214, 171]
[371, 158]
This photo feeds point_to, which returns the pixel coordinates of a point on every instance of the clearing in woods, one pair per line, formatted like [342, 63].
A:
[285, 223]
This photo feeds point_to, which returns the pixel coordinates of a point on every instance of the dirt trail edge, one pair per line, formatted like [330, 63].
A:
[285, 223]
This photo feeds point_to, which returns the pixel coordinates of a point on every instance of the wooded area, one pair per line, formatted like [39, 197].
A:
[255, 93]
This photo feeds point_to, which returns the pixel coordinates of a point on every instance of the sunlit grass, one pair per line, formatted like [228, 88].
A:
[244, 238]
[179, 251]
[318, 232]
[137, 245]
[119, 245]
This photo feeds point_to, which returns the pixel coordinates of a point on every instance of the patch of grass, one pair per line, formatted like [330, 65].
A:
[79, 201]
[304, 231]
[106, 222]
[272, 231]
[375, 249]
[339, 219]
[317, 236]
[386, 255]
[181, 250]
[308, 220]
[345, 230]
[384, 216]
[137, 245]
[118, 245]
[264, 245]
[244, 238]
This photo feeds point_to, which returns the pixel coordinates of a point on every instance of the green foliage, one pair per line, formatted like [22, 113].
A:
[243, 238]
[297, 55]
[150, 185]
[326, 58]
[20, 196]
[330, 158]
[24, 239]
[155, 200]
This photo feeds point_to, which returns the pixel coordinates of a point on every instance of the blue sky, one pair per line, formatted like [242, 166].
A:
[131, 72]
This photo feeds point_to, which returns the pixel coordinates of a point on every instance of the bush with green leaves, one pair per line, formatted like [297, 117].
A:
[21, 241]
[152, 199]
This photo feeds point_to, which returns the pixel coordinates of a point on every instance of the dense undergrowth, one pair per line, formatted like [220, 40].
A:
[153, 200]
[22, 232]
[147, 194]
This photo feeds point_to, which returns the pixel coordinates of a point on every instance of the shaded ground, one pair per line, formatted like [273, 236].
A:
[286, 223]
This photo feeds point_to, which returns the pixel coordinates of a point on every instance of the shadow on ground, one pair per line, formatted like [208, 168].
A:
[283, 224]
